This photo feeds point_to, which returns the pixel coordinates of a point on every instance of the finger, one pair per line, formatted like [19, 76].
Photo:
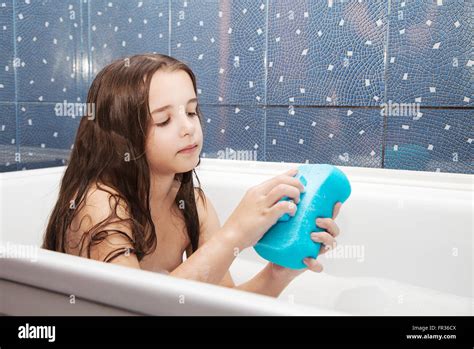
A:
[282, 190]
[329, 225]
[313, 265]
[291, 172]
[285, 178]
[282, 207]
[326, 239]
[337, 208]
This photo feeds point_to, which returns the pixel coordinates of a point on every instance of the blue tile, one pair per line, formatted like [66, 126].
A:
[326, 52]
[312, 102]
[224, 43]
[48, 40]
[122, 28]
[7, 79]
[8, 141]
[233, 132]
[431, 56]
[46, 134]
[435, 140]
[337, 136]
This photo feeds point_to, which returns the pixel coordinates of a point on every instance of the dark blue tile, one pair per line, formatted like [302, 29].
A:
[224, 43]
[436, 140]
[431, 56]
[46, 134]
[338, 136]
[8, 138]
[7, 79]
[326, 52]
[48, 40]
[122, 28]
[233, 132]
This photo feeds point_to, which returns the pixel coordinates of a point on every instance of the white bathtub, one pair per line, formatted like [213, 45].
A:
[406, 248]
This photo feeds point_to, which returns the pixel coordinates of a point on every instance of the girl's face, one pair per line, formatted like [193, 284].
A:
[175, 124]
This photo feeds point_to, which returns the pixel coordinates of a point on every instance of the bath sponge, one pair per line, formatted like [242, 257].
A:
[288, 241]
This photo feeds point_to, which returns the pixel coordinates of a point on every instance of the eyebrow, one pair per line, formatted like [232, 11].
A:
[160, 109]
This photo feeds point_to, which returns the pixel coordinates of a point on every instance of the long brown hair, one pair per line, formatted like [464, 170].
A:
[118, 126]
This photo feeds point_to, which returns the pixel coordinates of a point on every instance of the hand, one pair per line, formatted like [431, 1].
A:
[327, 240]
[260, 208]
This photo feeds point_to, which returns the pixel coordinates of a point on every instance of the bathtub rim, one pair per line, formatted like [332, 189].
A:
[209, 299]
[439, 180]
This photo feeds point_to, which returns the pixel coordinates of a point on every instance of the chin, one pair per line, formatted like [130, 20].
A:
[187, 165]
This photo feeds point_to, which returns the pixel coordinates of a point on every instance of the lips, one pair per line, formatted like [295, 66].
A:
[189, 147]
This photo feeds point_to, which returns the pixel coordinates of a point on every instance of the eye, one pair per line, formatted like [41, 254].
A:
[163, 123]
[191, 114]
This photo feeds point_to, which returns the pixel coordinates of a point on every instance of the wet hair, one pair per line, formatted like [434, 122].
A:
[118, 125]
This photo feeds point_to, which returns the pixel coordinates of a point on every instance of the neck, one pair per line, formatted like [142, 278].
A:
[163, 191]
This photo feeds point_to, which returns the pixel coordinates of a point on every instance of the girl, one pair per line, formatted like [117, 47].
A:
[128, 196]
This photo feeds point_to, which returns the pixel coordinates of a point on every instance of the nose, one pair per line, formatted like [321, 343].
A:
[187, 125]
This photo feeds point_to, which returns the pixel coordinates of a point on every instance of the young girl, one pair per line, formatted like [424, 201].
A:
[128, 196]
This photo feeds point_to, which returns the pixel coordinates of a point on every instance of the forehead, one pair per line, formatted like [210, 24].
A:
[170, 88]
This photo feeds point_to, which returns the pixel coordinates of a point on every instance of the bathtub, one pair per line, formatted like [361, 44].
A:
[406, 248]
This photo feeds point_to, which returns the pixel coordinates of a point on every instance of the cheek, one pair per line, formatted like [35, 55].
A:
[158, 145]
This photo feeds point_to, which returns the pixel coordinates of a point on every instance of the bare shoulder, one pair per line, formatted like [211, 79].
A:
[208, 218]
[100, 228]
[100, 202]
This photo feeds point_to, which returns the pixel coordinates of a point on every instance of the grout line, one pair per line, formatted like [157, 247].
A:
[328, 106]
[265, 81]
[15, 79]
[169, 27]
[89, 40]
[386, 58]
[84, 70]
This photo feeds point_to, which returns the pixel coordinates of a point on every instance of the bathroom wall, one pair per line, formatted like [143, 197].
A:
[384, 84]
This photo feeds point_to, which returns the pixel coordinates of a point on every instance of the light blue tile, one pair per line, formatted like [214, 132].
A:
[119, 29]
[8, 139]
[233, 132]
[431, 54]
[437, 140]
[337, 136]
[326, 52]
[224, 43]
[48, 40]
[46, 136]
[7, 80]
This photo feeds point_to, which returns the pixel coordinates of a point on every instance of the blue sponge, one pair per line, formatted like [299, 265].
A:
[288, 241]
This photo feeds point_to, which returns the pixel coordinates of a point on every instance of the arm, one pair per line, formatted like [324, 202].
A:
[273, 279]
[270, 281]
[258, 210]
[209, 225]
[209, 263]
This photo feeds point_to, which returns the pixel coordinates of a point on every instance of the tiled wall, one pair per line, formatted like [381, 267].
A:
[278, 80]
